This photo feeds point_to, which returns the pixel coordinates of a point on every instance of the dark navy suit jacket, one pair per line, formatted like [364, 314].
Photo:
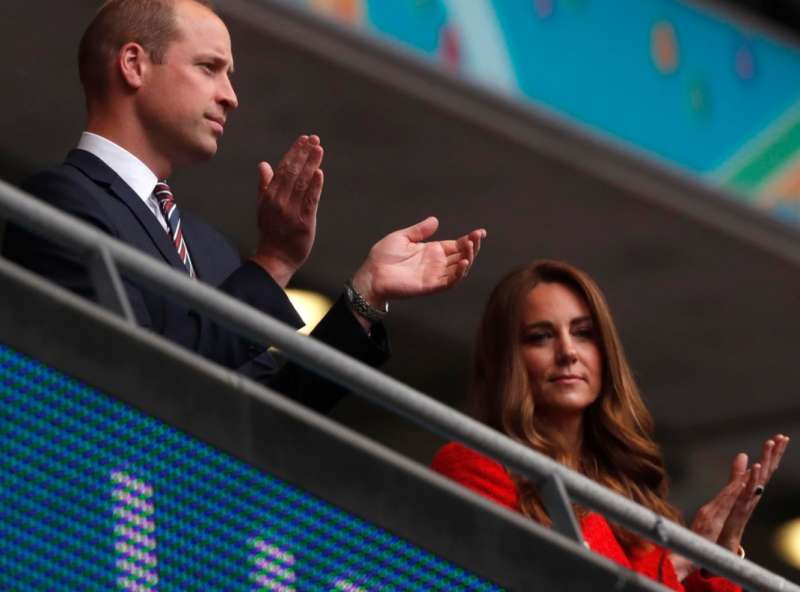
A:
[87, 188]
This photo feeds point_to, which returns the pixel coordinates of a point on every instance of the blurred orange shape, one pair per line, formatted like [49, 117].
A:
[664, 47]
[347, 11]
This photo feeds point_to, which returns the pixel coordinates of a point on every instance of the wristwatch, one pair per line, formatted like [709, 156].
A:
[361, 307]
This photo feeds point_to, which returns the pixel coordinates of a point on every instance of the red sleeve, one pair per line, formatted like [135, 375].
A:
[476, 472]
[654, 563]
[698, 582]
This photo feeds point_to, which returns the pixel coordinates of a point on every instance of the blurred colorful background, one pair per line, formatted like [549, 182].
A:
[711, 95]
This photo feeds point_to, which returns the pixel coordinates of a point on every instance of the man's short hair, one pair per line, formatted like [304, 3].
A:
[150, 23]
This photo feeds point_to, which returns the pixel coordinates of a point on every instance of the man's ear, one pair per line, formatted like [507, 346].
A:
[133, 63]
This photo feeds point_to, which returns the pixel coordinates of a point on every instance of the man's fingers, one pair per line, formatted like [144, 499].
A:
[295, 162]
[453, 273]
[275, 187]
[265, 174]
[467, 249]
[477, 236]
[291, 166]
[462, 269]
[311, 198]
[454, 247]
[464, 249]
[457, 255]
[303, 181]
[295, 157]
[421, 230]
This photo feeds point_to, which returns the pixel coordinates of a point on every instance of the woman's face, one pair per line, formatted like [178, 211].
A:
[559, 346]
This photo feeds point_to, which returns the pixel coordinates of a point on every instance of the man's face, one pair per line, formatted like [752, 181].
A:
[184, 101]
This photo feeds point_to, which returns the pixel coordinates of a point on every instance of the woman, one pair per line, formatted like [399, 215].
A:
[550, 373]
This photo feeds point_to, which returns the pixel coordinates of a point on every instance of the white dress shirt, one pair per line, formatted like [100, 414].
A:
[132, 170]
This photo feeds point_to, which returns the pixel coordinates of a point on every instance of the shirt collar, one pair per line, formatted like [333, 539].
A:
[132, 170]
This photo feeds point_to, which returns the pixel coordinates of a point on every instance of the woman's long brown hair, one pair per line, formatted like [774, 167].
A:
[619, 451]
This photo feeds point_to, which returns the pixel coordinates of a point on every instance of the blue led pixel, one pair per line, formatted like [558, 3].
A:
[95, 495]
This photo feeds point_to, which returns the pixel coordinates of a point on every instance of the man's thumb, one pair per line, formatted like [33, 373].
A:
[422, 230]
[265, 174]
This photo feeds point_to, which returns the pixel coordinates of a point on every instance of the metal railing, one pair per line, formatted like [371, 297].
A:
[559, 486]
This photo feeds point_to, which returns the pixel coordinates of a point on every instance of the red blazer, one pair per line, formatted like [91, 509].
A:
[490, 479]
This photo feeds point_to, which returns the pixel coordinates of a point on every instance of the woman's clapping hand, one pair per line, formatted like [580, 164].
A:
[723, 519]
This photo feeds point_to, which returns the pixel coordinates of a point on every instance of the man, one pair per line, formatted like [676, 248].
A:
[156, 75]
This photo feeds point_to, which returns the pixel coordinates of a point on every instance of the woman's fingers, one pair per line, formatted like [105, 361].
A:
[738, 467]
[725, 517]
[767, 453]
[771, 456]
[749, 496]
[731, 535]
[712, 517]
[781, 443]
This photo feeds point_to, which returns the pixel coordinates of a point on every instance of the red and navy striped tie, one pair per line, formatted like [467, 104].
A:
[170, 210]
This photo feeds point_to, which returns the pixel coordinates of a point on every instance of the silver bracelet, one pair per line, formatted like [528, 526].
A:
[361, 306]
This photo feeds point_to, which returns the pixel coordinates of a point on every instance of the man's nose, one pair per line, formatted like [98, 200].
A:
[228, 95]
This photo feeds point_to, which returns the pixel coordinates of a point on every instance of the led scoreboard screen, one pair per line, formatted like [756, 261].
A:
[95, 495]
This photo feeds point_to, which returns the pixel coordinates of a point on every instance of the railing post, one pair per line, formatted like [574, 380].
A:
[559, 507]
[108, 284]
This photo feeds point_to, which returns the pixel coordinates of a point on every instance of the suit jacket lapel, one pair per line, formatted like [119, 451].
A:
[104, 176]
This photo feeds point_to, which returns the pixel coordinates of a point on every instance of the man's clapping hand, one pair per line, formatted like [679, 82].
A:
[287, 209]
[403, 264]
